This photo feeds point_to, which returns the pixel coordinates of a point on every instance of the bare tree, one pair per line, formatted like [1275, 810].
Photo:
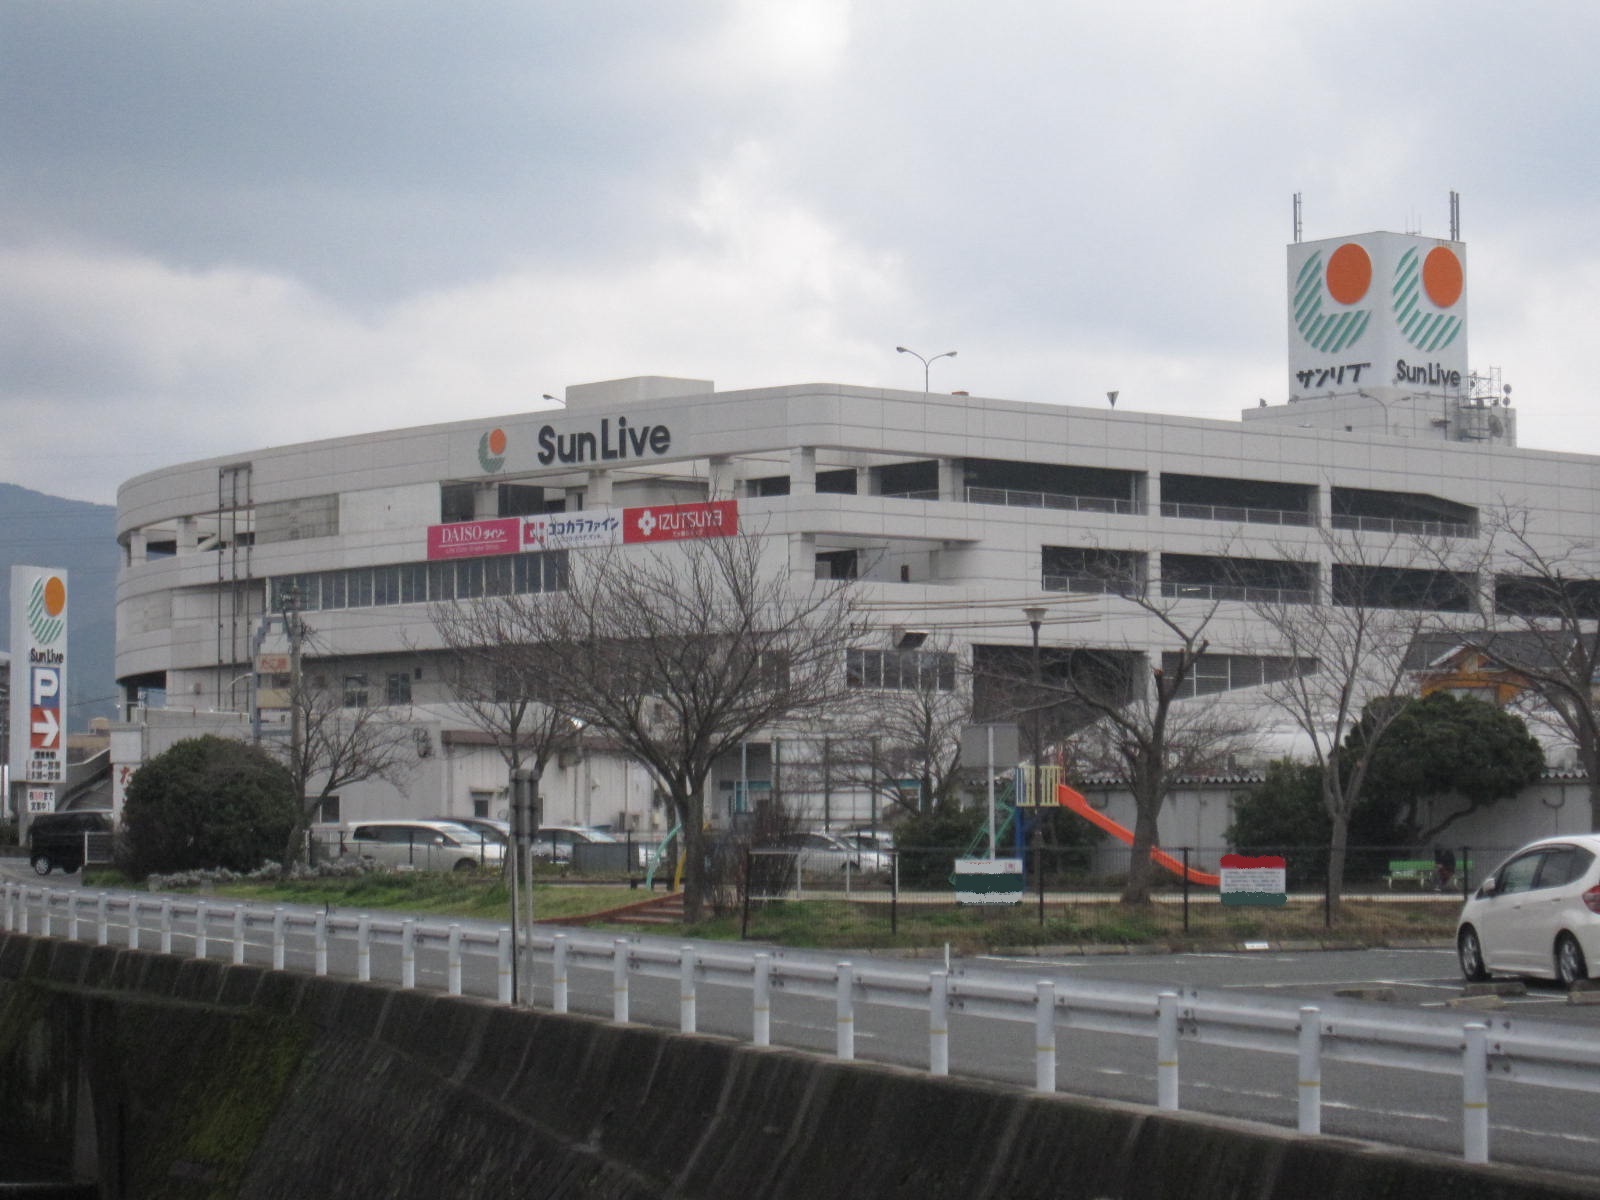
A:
[682, 652]
[907, 726]
[339, 738]
[1349, 649]
[1143, 724]
[495, 681]
[1543, 631]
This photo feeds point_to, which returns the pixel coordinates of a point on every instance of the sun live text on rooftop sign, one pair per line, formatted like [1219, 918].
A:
[585, 529]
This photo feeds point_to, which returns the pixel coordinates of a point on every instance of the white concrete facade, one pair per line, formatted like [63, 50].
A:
[980, 506]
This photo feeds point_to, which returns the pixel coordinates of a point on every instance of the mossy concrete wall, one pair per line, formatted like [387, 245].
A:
[175, 1078]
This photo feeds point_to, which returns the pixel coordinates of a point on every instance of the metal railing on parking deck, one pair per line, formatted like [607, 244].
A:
[1335, 1031]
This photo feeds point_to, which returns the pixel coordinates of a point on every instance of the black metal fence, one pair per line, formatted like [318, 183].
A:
[1076, 894]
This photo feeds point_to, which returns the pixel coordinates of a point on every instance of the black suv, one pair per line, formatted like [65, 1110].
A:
[57, 839]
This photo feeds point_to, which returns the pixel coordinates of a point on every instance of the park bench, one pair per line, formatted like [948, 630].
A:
[1423, 872]
[1420, 871]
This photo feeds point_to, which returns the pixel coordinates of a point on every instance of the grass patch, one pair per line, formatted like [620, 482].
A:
[840, 924]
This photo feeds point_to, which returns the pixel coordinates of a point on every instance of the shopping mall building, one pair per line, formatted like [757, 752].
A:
[953, 513]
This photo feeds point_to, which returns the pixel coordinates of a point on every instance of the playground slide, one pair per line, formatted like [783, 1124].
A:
[1075, 800]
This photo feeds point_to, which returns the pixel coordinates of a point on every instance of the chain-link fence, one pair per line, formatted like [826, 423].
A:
[1076, 895]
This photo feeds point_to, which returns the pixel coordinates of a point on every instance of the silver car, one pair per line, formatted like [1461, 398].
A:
[824, 853]
[423, 846]
[1537, 915]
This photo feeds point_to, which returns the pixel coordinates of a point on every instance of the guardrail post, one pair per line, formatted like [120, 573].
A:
[1310, 1070]
[238, 934]
[102, 925]
[1475, 1094]
[619, 981]
[845, 1019]
[201, 915]
[279, 917]
[72, 915]
[319, 929]
[8, 892]
[1167, 1051]
[453, 961]
[558, 974]
[1044, 1036]
[688, 960]
[939, 1023]
[166, 925]
[761, 1000]
[503, 965]
[408, 953]
[44, 912]
[133, 922]
[364, 948]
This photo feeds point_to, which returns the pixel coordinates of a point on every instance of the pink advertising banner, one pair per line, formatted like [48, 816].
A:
[470, 539]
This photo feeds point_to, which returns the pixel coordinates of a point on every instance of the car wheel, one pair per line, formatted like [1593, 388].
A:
[41, 863]
[1469, 952]
[1570, 967]
[465, 864]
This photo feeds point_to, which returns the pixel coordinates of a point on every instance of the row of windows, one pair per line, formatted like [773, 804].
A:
[901, 670]
[423, 583]
[1213, 673]
[1206, 577]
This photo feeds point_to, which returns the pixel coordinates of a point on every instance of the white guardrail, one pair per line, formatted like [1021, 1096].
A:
[1335, 1031]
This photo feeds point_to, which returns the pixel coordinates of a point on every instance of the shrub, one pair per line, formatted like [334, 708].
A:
[208, 802]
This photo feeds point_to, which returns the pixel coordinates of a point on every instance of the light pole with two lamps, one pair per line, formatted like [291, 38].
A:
[927, 363]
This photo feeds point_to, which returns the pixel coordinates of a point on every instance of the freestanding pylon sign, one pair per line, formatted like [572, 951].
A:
[38, 689]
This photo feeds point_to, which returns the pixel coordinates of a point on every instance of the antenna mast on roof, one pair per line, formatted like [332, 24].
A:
[1455, 216]
[1297, 217]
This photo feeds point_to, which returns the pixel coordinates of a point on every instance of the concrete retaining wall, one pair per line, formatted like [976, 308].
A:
[177, 1078]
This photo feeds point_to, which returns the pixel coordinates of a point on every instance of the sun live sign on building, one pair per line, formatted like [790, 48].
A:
[583, 530]
[1380, 313]
[38, 685]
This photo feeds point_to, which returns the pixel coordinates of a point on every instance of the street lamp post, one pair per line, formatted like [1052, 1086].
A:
[926, 362]
[1034, 615]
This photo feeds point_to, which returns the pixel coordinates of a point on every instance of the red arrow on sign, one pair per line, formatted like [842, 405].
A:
[46, 730]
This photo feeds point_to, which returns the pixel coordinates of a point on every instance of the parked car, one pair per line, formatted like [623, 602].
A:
[867, 838]
[500, 831]
[57, 840]
[423, 845]
[826, 853]
[1538, 914]
[555, 842]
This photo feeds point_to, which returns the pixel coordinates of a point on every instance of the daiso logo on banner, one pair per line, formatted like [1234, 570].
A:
[715, 518]
[467, 539]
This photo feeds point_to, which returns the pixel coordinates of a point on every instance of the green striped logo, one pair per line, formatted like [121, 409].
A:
[45, 626]
[1427, 331]
[1328, 332]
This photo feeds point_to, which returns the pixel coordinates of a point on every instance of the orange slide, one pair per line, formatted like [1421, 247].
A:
[1075, 800]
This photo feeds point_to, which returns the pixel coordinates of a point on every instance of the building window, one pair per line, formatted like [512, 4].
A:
[1213, 673]
[397, 688]
[327, 811]
[423, 583]
[355, 691]
[901, 670]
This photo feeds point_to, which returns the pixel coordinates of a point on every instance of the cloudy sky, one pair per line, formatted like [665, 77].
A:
[229, 225]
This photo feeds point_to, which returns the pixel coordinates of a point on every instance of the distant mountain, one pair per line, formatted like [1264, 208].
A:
[37, 530]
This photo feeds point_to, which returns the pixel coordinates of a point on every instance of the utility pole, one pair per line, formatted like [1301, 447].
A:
[295, 628]
[524, 826]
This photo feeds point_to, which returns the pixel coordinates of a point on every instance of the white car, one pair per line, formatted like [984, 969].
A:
[423, 846]
[556, 841]
[824, 853]
[1537, 915]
